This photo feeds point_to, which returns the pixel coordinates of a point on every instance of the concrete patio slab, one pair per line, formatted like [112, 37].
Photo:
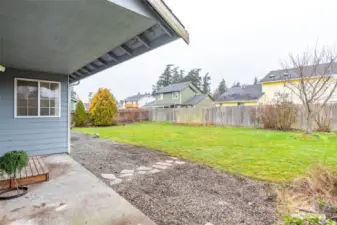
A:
[73, 196]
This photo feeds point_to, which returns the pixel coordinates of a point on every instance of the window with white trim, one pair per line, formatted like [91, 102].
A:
[161, 96]
[175, 95]
[35, 98]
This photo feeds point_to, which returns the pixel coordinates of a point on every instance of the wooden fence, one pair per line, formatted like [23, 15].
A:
[131, 115]
[225, 116]
[222, 116]
[125, 116]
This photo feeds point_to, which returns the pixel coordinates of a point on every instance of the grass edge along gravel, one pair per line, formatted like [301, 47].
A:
[267, 155]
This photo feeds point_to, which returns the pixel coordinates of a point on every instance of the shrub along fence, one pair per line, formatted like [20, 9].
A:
[123, 116]
[235, 116]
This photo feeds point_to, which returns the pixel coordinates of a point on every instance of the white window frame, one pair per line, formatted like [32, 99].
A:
[161, 96]
[38, 98]
[174, 93]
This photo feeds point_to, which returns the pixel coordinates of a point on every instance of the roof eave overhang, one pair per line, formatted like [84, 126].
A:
[167, 15]
[168, 24]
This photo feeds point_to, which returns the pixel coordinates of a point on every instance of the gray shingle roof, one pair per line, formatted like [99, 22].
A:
[246, 93]
[173, 87]
[294, 73]
[136, 97]
[149, 104]
[194, 100]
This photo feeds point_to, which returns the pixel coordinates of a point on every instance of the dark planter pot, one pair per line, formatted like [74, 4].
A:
[22, 191]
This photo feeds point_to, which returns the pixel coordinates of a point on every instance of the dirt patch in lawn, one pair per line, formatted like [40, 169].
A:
[181, 194]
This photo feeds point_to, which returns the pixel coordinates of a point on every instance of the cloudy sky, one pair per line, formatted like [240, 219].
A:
[234, 40]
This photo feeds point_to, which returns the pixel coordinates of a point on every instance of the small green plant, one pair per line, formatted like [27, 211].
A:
[307, 219]
[13, 162]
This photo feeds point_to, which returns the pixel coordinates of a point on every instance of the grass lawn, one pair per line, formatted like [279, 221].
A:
[262, 154]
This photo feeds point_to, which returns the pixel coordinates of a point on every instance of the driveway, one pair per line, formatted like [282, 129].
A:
[172, 191]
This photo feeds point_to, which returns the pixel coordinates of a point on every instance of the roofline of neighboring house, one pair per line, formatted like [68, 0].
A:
[190, 83]
[140, 97]
[296, 78]
[239, 101]
[75, 100]
[205, 95]
[211, 97]
[243, 100]
[157, 92]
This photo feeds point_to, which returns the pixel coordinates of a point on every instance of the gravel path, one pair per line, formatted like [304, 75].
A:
[186, 194]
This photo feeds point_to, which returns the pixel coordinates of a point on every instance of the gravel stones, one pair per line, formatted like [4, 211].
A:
[127, 171]
[144, 168]
[184, 193]
[108, 176]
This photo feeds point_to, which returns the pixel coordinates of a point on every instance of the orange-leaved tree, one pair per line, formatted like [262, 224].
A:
[102, 108]
[80, 115]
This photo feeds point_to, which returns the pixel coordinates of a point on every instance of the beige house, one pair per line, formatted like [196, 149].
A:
[276, 81]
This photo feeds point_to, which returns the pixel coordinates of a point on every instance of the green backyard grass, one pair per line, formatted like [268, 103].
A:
[261, 154]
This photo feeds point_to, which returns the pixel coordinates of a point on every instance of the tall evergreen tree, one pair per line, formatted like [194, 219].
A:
[194, 77]
[222, 88]
[177, 76]
[166, 77]
[236, 84]
[206, 84]
[256, 81]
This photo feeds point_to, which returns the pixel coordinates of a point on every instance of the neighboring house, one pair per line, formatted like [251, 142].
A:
[73, 103]
[245, 95]
[137, 101]
[181, 95]
[150, 104]
[120, 105]
[86, 106]
[275, 81]
[66, 42]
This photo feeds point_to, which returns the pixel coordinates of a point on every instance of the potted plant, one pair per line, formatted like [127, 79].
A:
[12, 163]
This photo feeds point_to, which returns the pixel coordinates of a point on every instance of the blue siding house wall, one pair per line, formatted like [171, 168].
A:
[37, 136]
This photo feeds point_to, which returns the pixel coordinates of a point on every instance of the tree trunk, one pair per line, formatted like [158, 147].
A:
[308, 129]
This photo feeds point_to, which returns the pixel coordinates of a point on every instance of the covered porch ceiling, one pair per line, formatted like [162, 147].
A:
[83, 37]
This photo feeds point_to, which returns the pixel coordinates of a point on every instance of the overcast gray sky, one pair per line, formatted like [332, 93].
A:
[234, 40]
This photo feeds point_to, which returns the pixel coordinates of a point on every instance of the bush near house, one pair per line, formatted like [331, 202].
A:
[323, 119]
[102, 108]
[80, 115]
[280, 115]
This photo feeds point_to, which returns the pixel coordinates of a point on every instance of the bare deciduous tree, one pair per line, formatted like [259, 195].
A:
[309, 76]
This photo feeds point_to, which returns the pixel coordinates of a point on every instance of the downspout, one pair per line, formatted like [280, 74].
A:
[72, 85]
[69, 113]
[2, 68]
[69, 119]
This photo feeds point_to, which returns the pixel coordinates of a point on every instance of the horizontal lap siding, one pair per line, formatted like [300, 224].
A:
[37, 136]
